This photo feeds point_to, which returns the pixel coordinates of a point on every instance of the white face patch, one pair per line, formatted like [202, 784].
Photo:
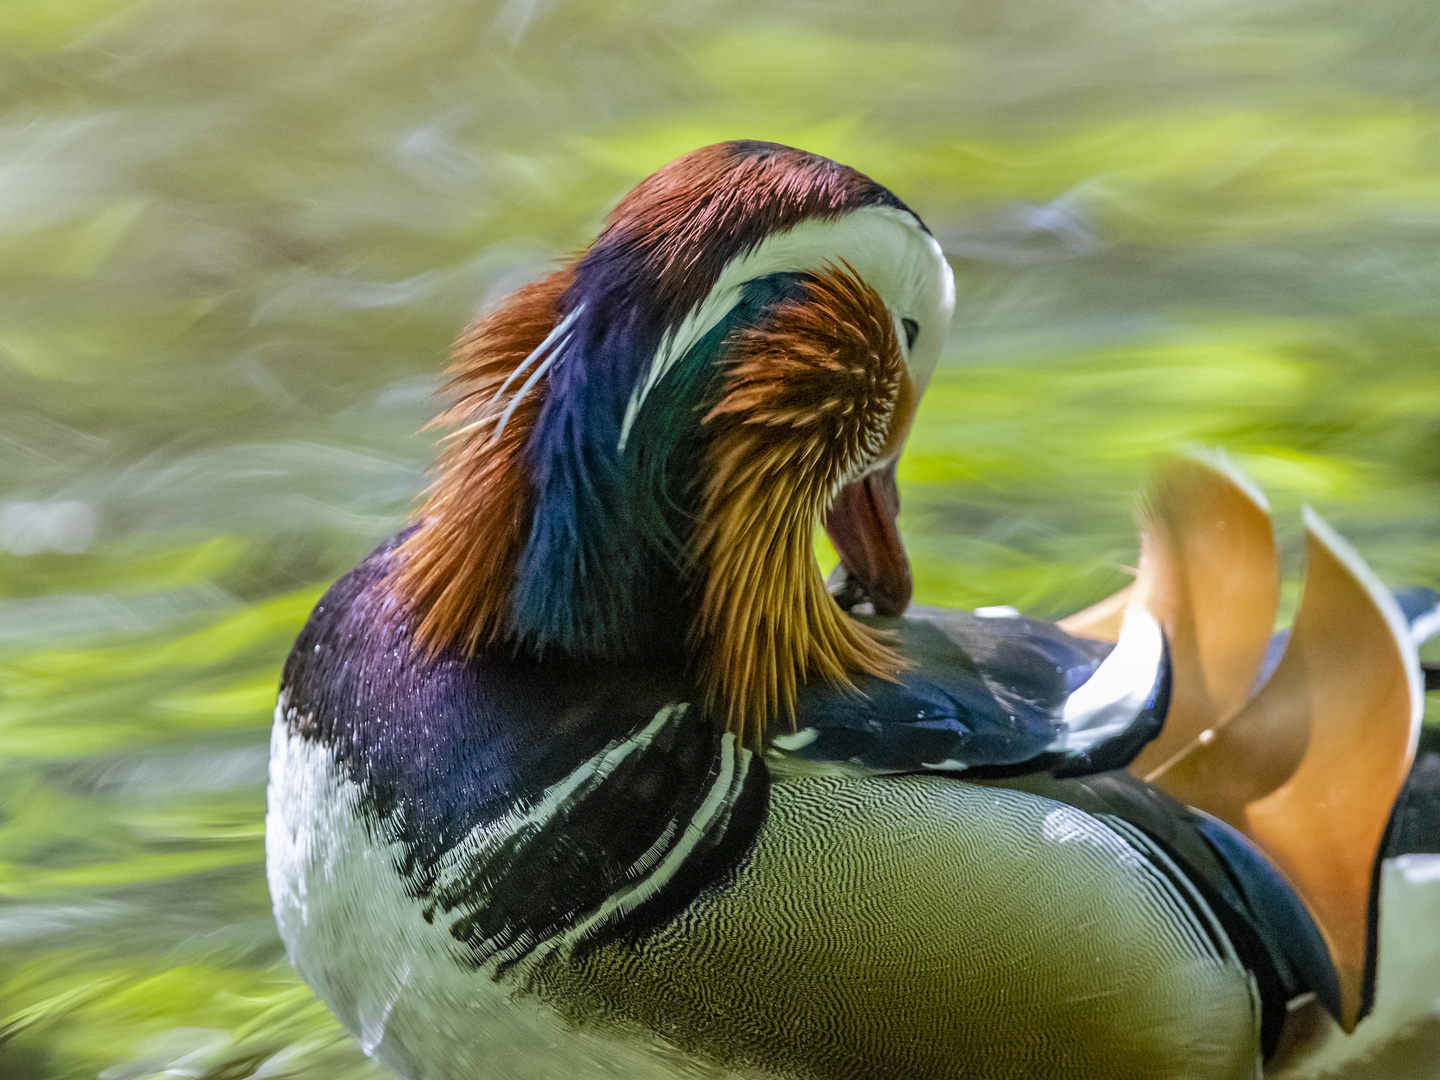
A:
[886, 247]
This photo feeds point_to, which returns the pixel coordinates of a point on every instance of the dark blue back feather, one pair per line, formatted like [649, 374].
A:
[1277, 914]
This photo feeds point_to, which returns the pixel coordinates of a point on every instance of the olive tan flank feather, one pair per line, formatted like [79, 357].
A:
[809, 402]
[457, 568]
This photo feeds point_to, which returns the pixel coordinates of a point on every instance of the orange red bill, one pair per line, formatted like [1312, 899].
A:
[861, 525]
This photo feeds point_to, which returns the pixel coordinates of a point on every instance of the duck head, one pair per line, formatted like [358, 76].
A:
[646, 438]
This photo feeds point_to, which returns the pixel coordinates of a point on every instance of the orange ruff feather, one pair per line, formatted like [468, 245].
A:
[809, 401]
[458, 567]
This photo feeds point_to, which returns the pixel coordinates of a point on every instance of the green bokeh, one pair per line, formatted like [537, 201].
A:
[237, 235]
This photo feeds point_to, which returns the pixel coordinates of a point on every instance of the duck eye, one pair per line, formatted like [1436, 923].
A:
[912, 331]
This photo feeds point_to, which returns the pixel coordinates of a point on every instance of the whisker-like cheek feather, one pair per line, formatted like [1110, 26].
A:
[811, 397]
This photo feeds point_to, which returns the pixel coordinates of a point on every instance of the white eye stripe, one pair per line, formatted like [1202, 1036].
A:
[886, 247]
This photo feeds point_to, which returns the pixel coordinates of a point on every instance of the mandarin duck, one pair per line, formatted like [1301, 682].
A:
[589, 773]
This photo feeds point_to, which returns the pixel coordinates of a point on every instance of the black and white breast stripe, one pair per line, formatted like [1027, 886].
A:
[531, 804]
[524, 884]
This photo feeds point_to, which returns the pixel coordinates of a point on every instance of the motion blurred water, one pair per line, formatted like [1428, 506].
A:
[236, 237]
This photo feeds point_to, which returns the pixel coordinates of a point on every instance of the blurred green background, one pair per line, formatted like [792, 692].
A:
[236, 237]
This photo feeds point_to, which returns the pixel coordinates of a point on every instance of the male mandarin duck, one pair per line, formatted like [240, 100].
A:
[588, 774]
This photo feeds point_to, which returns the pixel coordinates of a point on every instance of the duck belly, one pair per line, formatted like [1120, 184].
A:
[880, 927]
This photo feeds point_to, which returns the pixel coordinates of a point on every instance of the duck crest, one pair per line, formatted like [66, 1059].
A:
[648, 436]
[588, 581]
